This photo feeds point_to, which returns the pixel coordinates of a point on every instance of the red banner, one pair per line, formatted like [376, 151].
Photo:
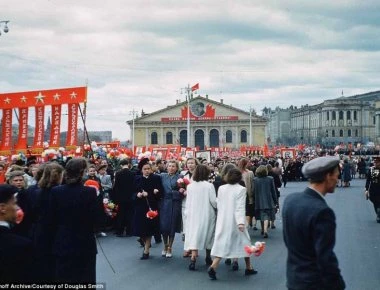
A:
[6, 143]
[72, 131]
[43, 98]
[39, 130]
[22, 129]
[55, 125]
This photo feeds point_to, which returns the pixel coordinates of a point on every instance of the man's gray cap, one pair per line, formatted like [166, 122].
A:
[320, 165]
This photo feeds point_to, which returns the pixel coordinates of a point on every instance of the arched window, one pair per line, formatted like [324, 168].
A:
[153, 138]
[340, 115]
[333, 115]
[348, 115]
[349, 133]
[169, 138]
[327, 115]
[333, 133]
[340, 133]
[228, 136]
[355, 115]
[183, 138]
[356, 133]
[214, 138]
[243, 136]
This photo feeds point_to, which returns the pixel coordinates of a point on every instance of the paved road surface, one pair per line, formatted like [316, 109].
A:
[357, 248]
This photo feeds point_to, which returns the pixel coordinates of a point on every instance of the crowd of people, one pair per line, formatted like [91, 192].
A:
[53, 212]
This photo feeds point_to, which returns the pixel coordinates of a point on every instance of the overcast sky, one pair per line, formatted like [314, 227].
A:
[139, 54]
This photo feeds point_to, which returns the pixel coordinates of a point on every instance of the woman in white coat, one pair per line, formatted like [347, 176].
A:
[231, 234]
[200, 213]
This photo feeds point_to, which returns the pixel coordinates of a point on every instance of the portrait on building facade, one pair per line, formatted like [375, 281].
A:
[288, 153]
[198, 109]
[204, 155]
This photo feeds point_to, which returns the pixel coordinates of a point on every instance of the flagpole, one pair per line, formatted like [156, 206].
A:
[188, 116]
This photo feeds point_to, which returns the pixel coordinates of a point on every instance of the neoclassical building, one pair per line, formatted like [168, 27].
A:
[354, 119]
[212, 124]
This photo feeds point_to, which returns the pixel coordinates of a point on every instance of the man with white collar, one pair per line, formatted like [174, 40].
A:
[16, 252]
[309, 230]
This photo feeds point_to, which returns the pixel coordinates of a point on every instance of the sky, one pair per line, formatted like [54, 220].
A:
[139, 55]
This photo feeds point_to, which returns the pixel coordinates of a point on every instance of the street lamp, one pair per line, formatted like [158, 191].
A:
[4, 26]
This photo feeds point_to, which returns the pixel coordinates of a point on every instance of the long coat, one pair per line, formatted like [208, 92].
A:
[309, 234]
[142, 226]
[229, 242]
[73, 215]
[171, 205]
[265, 193]
[16, 255]
[200, 216]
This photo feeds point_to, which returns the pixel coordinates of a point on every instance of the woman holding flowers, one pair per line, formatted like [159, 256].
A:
[200, 213]
[191, 164]
[231, 234]
[171, 206]
[145, 221]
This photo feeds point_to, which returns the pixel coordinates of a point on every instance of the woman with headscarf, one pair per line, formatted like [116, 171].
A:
[149, 188]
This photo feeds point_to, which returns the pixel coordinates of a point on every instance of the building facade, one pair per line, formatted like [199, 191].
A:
[354, 119]
[212, 124]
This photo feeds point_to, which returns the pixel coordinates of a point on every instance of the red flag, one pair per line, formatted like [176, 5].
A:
[195, 87]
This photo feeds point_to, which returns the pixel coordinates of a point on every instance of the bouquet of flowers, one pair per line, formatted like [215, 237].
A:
[183, 182]
[257, 249]
[151, 214]
[110, 208]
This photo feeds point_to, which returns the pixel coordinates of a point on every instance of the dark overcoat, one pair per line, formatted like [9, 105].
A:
[309, 235]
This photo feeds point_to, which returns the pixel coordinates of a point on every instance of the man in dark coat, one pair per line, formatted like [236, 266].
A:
[123, 195]
[16, 252]
[372, 187]
[309, 230]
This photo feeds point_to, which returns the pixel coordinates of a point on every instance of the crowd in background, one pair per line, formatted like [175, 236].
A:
[214, 205]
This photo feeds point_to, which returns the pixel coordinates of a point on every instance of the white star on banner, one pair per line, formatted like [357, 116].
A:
[39, 98]
[73, 95]
[23, 99]
[7, 100]
[56, 97]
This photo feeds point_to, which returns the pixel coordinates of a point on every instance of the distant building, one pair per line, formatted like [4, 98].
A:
[213, 124]
[354, 119]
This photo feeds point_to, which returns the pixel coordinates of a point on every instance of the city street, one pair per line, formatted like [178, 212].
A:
[357, 249]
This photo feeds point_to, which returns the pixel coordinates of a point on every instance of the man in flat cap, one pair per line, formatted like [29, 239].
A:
[309, 230]
[372, 187]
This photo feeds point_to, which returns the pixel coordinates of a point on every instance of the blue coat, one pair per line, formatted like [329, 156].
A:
[309, 234]
[171, 205]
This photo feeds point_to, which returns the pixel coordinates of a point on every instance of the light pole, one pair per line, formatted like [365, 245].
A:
[133, 113]
[5, 24]
[188, 90]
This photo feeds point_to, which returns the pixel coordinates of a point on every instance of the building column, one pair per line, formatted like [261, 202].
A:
[207, 137]
[237, 140]
[221, 137]
[176, 135]
[162, 136]
[146, 137]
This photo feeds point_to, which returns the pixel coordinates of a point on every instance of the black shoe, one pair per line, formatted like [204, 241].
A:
[211, 273]
[227, 262]
[272, 226]
[192, 265]
[208, 261]
[235, 266]
[144, 256]
[265, 235]
[262, 233]
[250, 272]
[255, 228]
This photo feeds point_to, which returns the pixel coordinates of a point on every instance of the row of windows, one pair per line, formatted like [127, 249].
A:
[341, 133]
[169, 136]
[341, 115]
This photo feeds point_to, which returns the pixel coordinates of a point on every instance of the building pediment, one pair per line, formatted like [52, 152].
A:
[200, 110]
